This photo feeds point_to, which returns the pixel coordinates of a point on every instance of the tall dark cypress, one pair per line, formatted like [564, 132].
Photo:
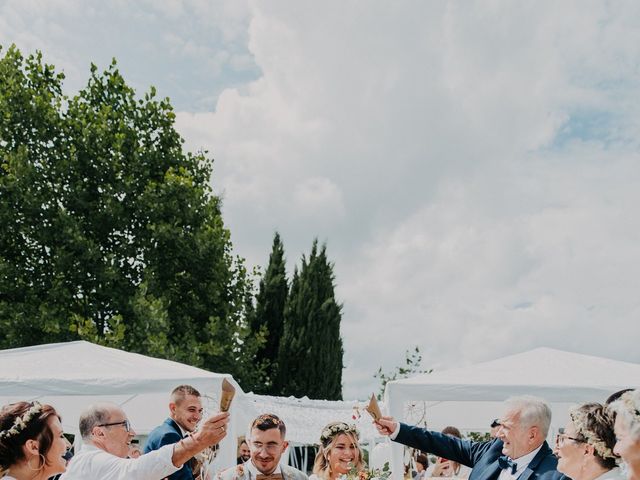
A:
[310, 355]
[269, 313]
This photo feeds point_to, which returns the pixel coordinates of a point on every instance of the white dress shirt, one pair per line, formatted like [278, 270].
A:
[92, 463]
[522, 462]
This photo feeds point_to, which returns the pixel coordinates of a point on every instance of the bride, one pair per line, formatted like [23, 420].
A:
[339, 452]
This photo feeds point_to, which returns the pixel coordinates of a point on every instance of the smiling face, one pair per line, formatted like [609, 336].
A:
[55, 462]
[187, 412]
[266, 448]
[114, 439]
[343, 454]
[518, 440]
[570, 452]
[627, 446]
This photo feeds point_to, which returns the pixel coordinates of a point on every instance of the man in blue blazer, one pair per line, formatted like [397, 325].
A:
[520, 451]
[185, 411]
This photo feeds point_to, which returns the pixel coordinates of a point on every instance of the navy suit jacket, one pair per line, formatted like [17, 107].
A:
[167, 434]
[482, 457]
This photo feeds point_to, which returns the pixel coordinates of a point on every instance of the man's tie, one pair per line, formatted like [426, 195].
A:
[273, 476]
[506, 463]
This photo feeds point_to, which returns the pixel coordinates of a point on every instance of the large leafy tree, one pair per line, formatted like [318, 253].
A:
[310, 354]
[110, 232]
[269, 315]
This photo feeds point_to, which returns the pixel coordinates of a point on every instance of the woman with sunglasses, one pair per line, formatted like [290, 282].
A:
[32, 446]
[627, 428]
[585, 447]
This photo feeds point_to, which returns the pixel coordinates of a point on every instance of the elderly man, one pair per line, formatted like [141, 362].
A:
[266, 445]
[519, 452]
[185, 411]
[107, 434]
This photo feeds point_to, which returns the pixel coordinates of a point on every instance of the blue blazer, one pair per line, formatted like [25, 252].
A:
[482, 457]
[167, 434]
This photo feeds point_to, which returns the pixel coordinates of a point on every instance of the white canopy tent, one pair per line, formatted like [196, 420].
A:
[71, 376]
[305, 418]
[470, 397]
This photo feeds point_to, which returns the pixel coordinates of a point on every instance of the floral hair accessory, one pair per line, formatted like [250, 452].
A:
[627, 399]
[579, 420]
[334, 429]
[21, 422]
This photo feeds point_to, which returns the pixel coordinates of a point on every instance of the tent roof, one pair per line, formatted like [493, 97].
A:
[83, 368]
[305, 418]
[555, 375]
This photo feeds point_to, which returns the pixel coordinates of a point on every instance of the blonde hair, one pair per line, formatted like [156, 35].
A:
[328, 438]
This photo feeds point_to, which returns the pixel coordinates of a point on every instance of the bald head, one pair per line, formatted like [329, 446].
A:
[97, 414]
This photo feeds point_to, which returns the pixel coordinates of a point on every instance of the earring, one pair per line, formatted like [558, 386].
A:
[41, 461]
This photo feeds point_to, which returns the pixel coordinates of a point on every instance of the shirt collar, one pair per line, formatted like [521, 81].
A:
[255, 472]
[524, 461]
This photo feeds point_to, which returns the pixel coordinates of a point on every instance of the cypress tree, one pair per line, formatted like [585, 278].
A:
[269, 314]
[310, 355]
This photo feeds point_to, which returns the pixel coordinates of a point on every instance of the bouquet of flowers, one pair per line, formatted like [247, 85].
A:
[373, 474]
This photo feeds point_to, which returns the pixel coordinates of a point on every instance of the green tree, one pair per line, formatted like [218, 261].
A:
[269, 315]
[310, 354]
[111, 232]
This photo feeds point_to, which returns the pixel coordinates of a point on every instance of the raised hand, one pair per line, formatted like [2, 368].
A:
[386, 425]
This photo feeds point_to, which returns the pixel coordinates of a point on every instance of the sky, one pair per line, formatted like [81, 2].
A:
[473, 167]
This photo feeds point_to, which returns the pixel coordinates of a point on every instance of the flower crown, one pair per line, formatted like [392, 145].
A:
[332, 430]
[629, 403]
[21, 422]
[579, 420]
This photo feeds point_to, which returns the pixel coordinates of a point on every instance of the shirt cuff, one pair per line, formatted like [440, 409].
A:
[394, 434]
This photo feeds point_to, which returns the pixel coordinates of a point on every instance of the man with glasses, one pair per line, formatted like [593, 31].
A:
[267, 443]
[107, 434]
[185, 411]
[519, 452]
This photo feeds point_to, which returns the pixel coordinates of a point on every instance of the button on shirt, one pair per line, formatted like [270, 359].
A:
[522, 462]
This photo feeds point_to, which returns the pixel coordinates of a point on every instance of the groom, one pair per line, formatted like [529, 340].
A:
[266, 444]
[519, 452]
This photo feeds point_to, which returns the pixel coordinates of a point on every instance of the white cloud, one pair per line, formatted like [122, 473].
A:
[471, 166]
[482, 157]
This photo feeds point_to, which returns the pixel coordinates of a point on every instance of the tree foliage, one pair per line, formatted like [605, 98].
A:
[111, 232]
[310, 354]
[269, 315]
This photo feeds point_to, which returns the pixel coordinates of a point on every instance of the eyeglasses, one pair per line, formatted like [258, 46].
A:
[269, 447]
[127, 425]
[561, 437]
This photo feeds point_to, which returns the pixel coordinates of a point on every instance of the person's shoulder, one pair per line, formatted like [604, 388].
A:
[163, 434]
[230, 473]
[294, 473]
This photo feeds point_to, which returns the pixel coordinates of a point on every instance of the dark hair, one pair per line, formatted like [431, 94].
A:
[599, 423]
[36, 428]
[267, 421]
[616, 395]
[452, 431]
[179, 393]
[423, 460]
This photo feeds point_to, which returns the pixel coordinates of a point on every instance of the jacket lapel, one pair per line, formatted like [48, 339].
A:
[542, 453]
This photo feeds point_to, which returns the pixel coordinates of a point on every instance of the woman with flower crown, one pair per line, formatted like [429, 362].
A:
[339, 454]
[585, 447]
[627, 429]
[32, 446]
